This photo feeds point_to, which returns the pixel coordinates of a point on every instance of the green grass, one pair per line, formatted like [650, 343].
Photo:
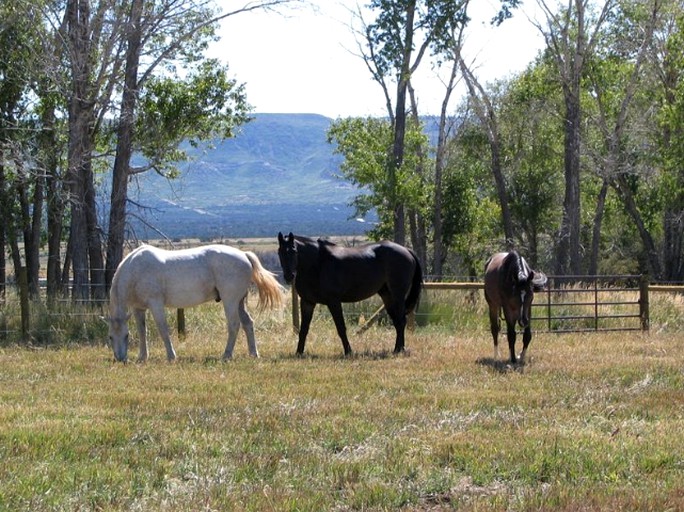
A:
[593, 422]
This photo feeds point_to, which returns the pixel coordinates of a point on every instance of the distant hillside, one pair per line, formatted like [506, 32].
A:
[278, 174]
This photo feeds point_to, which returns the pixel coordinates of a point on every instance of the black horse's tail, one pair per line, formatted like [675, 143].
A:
[414, 293]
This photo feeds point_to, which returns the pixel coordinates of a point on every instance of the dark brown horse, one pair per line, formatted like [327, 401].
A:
[325, 273]
[510, 285]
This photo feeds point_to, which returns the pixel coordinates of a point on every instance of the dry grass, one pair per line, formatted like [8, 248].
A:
[593, 422]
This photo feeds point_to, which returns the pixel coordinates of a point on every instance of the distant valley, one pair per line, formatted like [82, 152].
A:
[278, 174]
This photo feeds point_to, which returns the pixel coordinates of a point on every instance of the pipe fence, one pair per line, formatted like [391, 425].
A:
[568, 304]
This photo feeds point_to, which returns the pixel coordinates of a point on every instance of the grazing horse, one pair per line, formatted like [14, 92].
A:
[510, 285]
[325, 273]
[152, 278]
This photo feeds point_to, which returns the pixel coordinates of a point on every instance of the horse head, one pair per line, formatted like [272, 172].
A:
[118, 337]
[287, 254]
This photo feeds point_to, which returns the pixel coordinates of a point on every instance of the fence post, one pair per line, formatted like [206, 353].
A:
[643, 302]
[180, 322]
[295, 310]
[24, 303]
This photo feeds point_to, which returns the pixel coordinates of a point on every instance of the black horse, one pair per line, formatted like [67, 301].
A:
[510, 284]
[326, 273]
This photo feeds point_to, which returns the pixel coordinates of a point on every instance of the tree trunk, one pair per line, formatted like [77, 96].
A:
[487, 115]
[400, 127]
[117, 212]
[396, 161]
[3, 235]
[673, 250]
[55, 204]
[80, 114]
[95, 257]
[569, 256]
[596, 232]
[623, 190]
[33, 248]
[439, 248]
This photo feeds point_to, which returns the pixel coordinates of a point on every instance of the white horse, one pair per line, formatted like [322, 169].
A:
[152, 278]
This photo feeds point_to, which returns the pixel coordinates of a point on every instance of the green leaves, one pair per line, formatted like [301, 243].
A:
[206, 105]
[366, 145]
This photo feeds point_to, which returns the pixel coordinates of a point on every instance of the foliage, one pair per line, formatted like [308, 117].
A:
[366, 145]
[206, 105]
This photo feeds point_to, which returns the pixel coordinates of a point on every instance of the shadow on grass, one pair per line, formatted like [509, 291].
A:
[363, 355]
[500, 365]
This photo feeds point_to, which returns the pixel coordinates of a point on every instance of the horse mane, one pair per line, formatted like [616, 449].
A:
[328, 243]
[515, 267]
[304, 239]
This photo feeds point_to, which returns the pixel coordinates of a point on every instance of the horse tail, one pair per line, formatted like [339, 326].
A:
[270, 291]
[416, 285]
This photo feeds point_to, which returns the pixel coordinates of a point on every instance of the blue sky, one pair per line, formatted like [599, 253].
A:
[305, 61]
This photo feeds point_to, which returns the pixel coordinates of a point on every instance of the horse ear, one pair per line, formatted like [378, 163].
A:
[280, 237]
[291, 235]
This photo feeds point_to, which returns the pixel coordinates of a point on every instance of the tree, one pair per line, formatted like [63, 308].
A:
[571, 36]
[396, 42]
[615, 74]
[484, 109]
[363, 143]
[21, 179]
[668, 59]
[206, 105]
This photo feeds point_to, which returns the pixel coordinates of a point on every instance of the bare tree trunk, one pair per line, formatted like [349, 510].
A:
[80, 113]
[396, 161]
[596, 232]
[95, 256]
[487, 115]
[569, 42]
[3, 232]
[568, 256]
[117, 212]
[400, 125]
[622, 188]
[440, 250]
[417, 222]
[673, 250]
[33, 248]
[55, 205]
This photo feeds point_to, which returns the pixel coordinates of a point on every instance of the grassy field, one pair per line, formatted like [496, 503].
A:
[592, 422]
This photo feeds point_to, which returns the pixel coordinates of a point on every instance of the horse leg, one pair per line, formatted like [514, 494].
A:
[495, 327]
[307, 309]
[248, 326]
[139, 315]
[511, 340]
[527, 337]
[163, 328]
[398, 315]
[233, 324]
[336, 312]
